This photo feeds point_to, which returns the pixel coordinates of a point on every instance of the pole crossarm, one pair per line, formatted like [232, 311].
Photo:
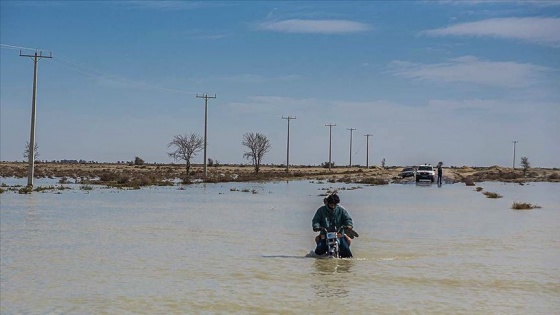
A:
[38, 54]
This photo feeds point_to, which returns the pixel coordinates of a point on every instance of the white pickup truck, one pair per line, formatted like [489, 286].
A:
[425, 172]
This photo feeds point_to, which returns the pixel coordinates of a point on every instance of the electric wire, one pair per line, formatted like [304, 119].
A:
[92, 72]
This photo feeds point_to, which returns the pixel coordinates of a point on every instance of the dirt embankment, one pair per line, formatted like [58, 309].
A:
[164, 174]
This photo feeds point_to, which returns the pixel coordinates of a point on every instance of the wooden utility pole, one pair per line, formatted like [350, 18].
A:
[351, 129]
[288, 145]
[205, 97]
[330, 142]
[514, 143]
[31, 154]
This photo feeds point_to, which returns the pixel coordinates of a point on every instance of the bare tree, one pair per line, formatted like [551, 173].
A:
[258, 145]
[26, 151]
[525, 164]
[138, 161]
[186, 146]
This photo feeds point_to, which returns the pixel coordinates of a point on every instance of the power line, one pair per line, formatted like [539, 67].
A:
[19, 47]
[360, 147]
[95, 73]
[367, 149]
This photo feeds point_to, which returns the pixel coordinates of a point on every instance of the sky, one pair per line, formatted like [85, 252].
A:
[429, 81]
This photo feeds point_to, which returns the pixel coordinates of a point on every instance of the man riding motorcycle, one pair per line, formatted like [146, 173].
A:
[332, 215]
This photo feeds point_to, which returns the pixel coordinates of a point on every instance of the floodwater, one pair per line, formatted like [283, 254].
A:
[213, 248]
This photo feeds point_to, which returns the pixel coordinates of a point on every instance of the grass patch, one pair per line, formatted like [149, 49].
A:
[44, 188]
[492, 195]
[86, 187]
[25, 190]
[374, 181]
[479, 188]
[524, 206]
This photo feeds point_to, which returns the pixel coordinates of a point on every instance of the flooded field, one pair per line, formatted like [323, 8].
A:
[241, 247]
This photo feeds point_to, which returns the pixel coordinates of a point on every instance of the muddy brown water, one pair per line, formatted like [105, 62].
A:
[206, 249]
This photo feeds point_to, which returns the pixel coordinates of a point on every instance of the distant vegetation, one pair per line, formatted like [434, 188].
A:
[525, 164]
[258, 145]
[186, 147]
[137, 173]
[492, 195]
[138, 161]
[524, 206]
[27, 149]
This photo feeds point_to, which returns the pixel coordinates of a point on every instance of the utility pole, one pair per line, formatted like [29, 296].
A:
[31, 154]
[330, 142]
[514, 143]
[205, 97]
[288, 145]
[351, 129]
[367, 149]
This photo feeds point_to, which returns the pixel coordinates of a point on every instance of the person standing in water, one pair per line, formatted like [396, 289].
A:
[439, 173]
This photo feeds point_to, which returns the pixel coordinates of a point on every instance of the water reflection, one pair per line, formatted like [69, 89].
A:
[424, 184]
[325, 266]
[330, 277]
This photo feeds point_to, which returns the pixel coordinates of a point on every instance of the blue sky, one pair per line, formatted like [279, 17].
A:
[451, 81]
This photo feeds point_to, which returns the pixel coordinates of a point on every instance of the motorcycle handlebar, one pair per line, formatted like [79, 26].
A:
[323, 229]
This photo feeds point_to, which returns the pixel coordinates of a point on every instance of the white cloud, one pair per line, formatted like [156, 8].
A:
[315, 26]
[469, 69]
[532, 29]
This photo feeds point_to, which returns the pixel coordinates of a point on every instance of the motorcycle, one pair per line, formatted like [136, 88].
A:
[333, 243]
[332, 237]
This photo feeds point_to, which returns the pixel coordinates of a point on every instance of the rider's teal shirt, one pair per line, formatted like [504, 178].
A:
[325, 217]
